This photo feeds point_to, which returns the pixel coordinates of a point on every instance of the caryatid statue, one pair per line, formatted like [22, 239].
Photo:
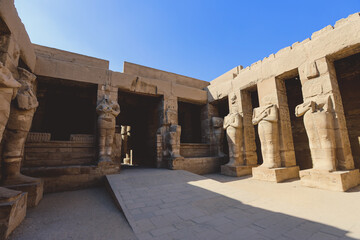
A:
[17, 129]
[8, 91]
[107, 111]
[267, 119]
[218, 123]
[319, 125]
[234, 134]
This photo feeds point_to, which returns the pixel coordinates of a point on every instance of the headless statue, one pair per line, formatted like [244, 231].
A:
[107, 111]
[267, 119]
[319, 125]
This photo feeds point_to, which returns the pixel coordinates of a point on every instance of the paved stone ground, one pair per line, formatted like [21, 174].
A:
[164, 204]
[84, 214]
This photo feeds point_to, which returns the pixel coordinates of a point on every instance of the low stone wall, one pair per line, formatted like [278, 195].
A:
[69, 178]
[195, 150]
[59, 153]
[199, 165]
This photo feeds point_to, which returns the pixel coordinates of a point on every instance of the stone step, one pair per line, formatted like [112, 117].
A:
[195, 150]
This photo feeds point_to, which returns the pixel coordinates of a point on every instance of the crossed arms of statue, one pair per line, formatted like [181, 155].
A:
[269, 113]
[232, 120]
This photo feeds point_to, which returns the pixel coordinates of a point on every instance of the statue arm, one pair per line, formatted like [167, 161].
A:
[271, 114]
[100, 108]
[302, 108]
[257, 118]
[115, 109]
[236, 121]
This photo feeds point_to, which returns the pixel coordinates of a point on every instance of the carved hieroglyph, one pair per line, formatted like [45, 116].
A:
[319, 125]
[17, 129]
[267, 119]
[218, 131]
[107, 111]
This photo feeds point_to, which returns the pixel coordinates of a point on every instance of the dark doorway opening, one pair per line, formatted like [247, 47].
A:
[300, 138]
[141, 113]
[348, 75]
[189, 117]
[255, 103]
[65, 107]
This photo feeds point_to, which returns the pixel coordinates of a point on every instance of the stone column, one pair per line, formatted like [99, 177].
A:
[333, 164]
[14, 202]
[125, 134]
[108, 109]
[17, 129]
[20, 118]
[274, 119]
[249, 131]
[171, 132]
[233, 124]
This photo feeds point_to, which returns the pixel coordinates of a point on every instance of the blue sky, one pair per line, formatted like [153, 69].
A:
[196, 38]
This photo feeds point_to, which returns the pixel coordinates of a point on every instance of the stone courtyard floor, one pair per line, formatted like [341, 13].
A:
[164, 204]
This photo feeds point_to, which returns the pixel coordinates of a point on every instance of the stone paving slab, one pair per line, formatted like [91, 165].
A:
[168, 204]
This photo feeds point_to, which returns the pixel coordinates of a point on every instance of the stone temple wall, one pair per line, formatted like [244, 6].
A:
[315, 64]
[78, 132]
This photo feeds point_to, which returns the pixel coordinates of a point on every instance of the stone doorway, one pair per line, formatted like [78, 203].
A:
[300, 138]
[348, 76]
[141, 113]
[65, 108]
[189, 119]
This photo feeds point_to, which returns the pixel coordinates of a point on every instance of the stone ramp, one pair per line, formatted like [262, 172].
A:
[176, 204]
[161, 204]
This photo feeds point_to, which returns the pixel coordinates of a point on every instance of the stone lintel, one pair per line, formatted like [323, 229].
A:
[334, 181]
[236, 171]
[275, 174]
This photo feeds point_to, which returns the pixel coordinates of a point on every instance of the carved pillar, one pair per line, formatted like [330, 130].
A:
[275, 133]
[17, 129]
[326, 128]
[125, 134]
[233, 124]
[246, 109]
[318, 80]
[170, 131]
[20, 118]
[108, 109]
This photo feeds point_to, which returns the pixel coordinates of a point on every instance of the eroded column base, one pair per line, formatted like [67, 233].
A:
[34, 190]
[275, 174]
[334, 181]
[12, 210]
[236, 171]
